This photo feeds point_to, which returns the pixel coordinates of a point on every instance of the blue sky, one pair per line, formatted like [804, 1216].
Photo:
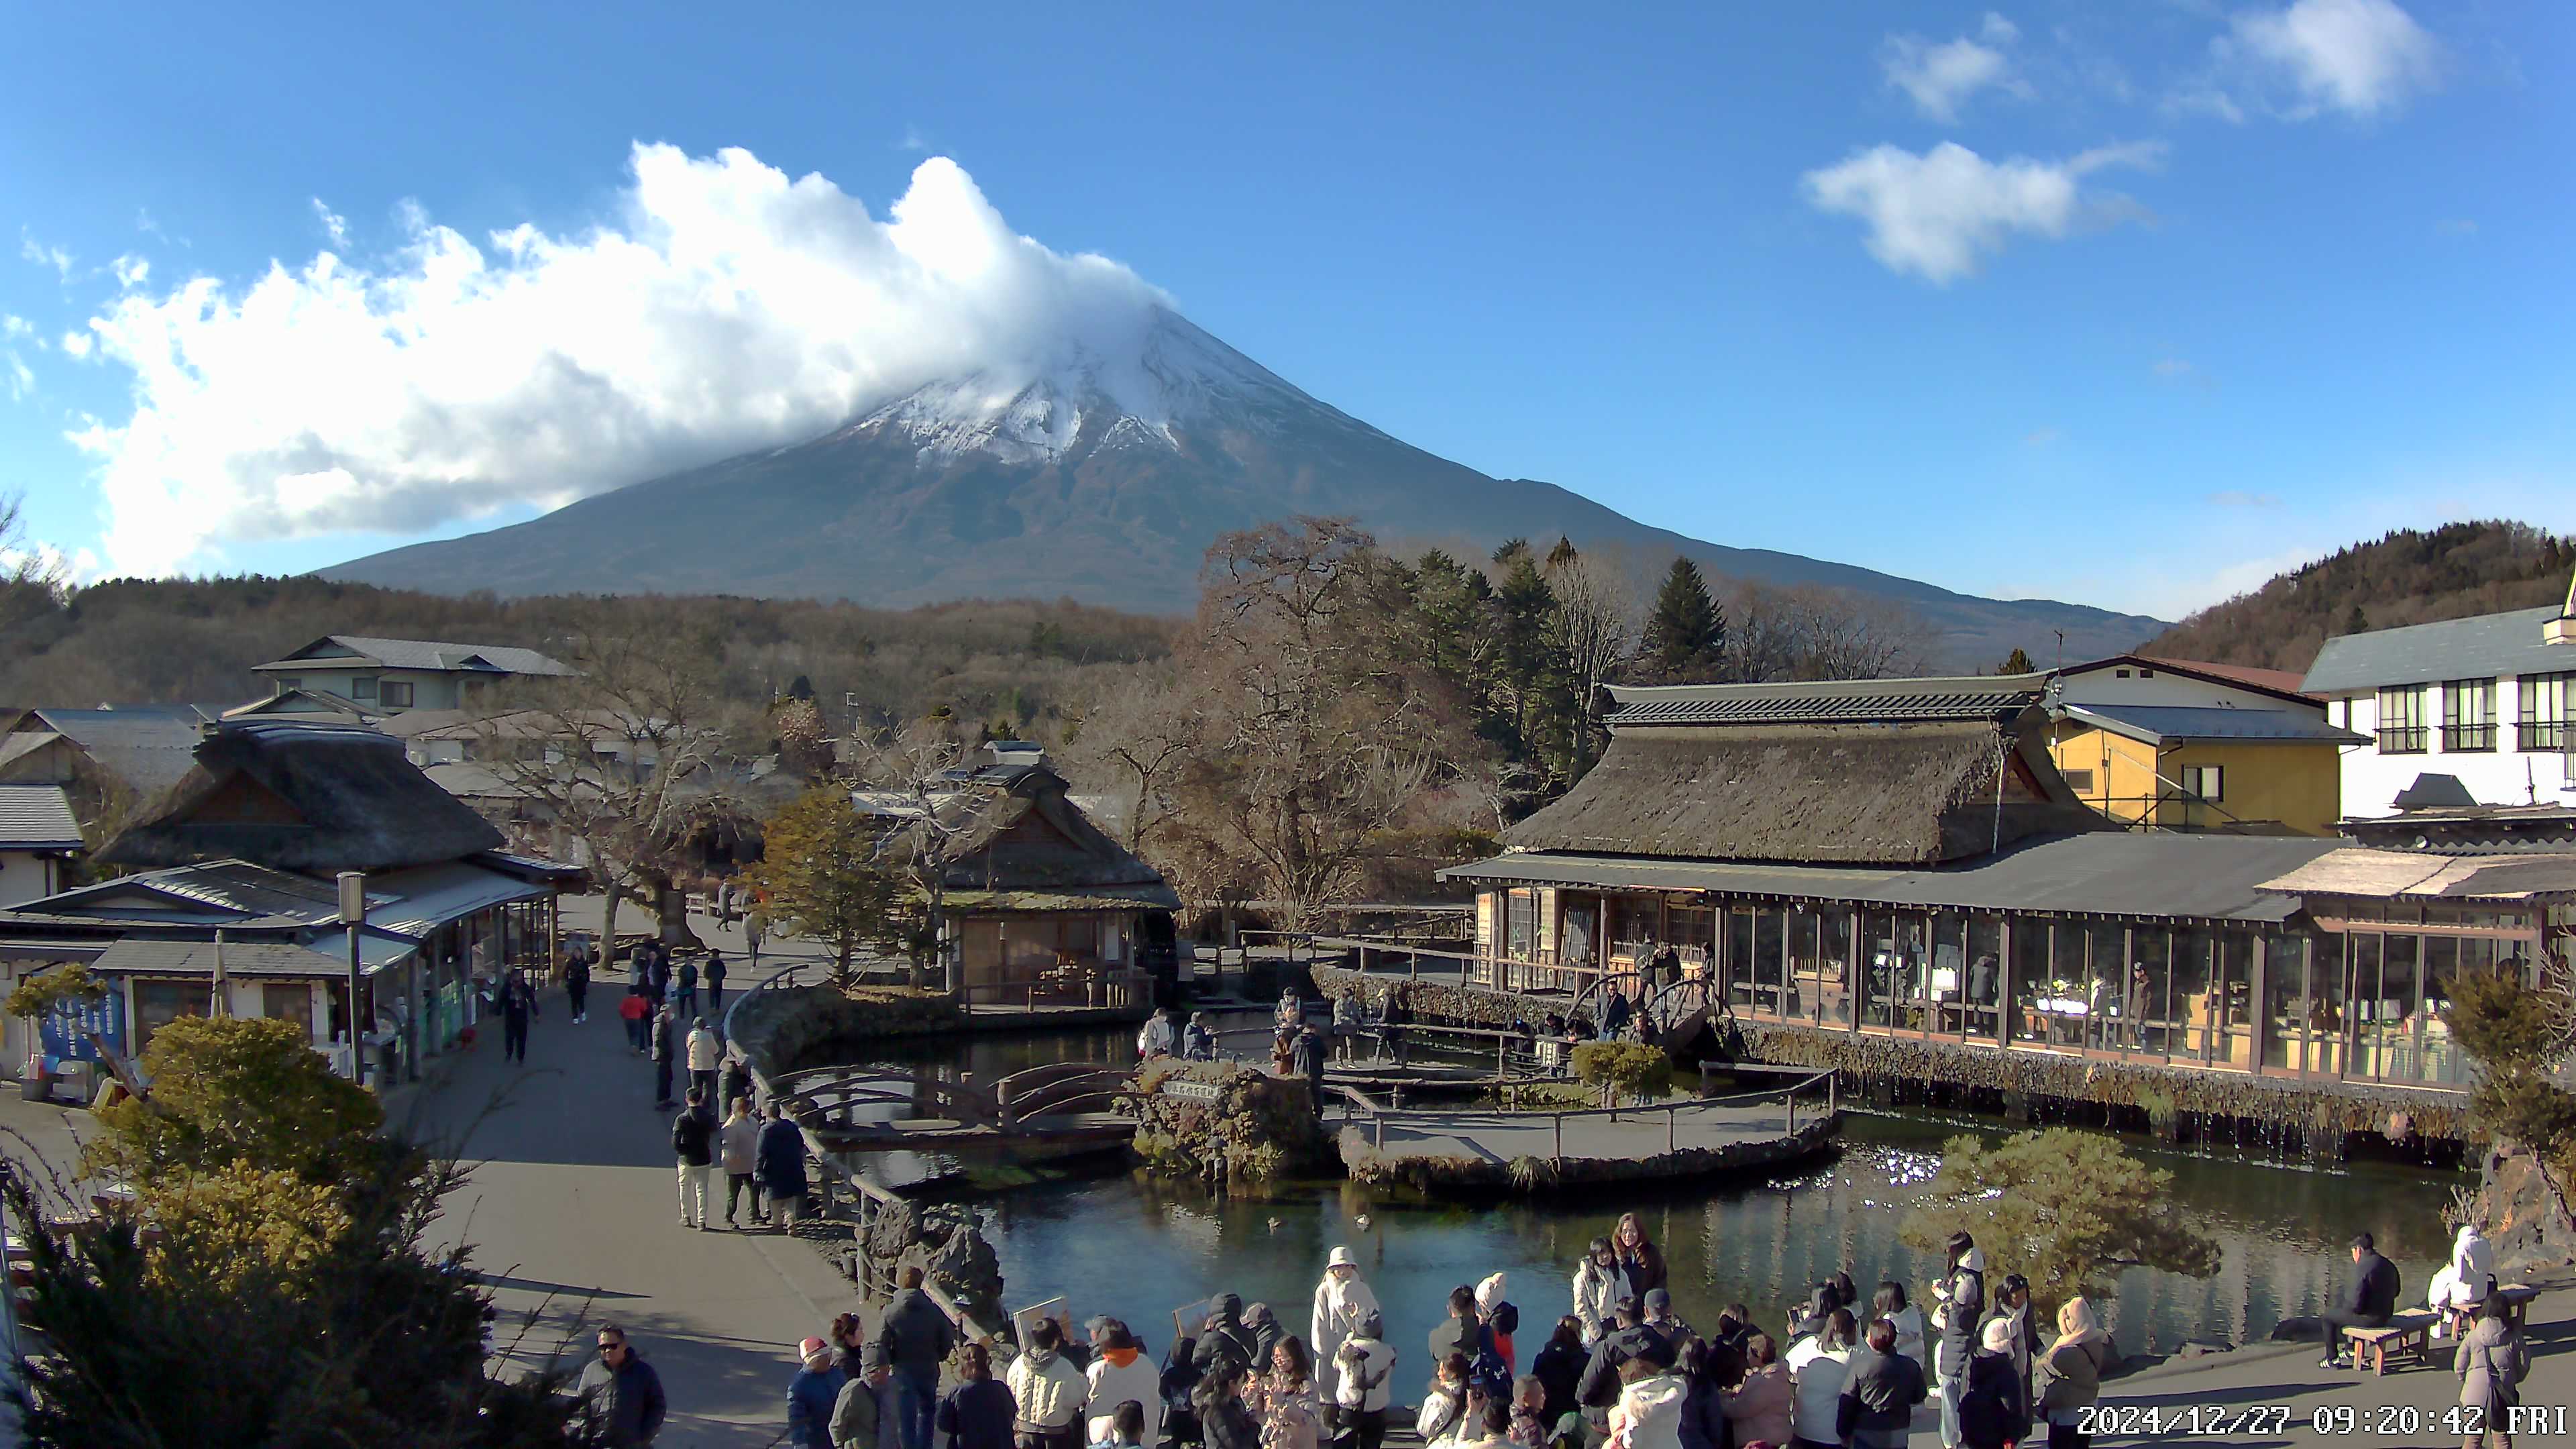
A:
[2130, 305]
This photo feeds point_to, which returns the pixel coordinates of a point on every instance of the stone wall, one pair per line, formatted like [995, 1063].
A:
[784, 1030]
[1533, 1175]
[1444, 1004]
[1200, 1119]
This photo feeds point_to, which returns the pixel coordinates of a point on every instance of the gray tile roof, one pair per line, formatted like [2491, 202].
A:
[148, 748]
[1834, 701]
[2488, 646]
[143, 956]
[2175, 877]
[37, 817]
[2155, 723]
[429, 654]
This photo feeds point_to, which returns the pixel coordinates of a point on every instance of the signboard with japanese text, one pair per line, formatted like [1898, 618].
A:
[66, 1030]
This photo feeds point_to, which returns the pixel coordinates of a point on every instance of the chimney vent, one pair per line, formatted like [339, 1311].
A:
[2562, 630]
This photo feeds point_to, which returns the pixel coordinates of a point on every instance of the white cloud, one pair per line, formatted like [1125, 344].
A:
[44, 256]
[728, 307]
[13, 325]
[912, 140]
[2360, 57]
[20, 379]
[1940, 77]
[76, 344]
[334, 224]
[131, 271]
[1936, 214]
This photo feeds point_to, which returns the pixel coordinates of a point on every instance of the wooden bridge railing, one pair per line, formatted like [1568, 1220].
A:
[1379, 1116]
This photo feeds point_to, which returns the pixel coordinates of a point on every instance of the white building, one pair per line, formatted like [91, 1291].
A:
[388, 676]
[38, 836]
[2485, 701]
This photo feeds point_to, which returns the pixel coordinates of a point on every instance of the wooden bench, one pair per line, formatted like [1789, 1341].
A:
[2403, 1333]
[2516, 1298]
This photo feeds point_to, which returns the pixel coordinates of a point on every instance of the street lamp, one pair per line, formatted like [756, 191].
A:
[353, 919]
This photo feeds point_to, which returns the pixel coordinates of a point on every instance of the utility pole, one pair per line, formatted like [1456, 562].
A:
[353, 919]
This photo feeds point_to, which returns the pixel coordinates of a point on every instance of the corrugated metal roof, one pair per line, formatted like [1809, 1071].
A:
[139, 956]
[1838, 701]
[2156, 723]
[2367, 874]
[37, 817]
[417, 902]
[2489, 645]
[419, 654]
[2178, 877]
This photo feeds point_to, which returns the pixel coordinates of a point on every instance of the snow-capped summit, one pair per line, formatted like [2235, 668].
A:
[1100, 470]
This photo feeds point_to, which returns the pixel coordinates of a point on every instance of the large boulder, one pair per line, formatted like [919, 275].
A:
[1226, 1122]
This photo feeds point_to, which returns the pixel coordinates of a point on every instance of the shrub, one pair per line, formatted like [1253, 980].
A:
[1635, 1068]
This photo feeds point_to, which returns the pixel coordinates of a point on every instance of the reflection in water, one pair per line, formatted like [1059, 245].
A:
[1135, 1247]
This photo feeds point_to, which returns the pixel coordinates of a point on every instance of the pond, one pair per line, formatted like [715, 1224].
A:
[1136, 1247]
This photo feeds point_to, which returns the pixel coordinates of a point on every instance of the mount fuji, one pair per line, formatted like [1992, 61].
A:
[1100, 472]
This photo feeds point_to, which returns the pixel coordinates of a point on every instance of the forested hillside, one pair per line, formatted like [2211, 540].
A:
[1010, 665]
[2410, 576]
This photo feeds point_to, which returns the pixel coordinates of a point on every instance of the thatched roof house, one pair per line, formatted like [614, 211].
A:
[1854, 772]
[316, 798]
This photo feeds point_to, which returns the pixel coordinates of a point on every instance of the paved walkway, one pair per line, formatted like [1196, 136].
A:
[2328, 1406]
[573, 1214]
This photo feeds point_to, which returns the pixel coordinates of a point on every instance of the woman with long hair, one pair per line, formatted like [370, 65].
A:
[977, 1414]
[1290, 1416]
[1639, 1258]
[1558, 1367]
[1598, 1286]
[1225, 1421]
[1817, 1370]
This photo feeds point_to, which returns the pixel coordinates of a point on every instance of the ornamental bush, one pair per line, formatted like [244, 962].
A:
[1641, 1071]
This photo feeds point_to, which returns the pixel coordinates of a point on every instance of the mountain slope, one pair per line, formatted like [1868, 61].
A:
[2409, 576]
[1103, 480]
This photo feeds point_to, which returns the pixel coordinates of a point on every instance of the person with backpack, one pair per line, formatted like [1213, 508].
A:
[1444, 1402]
[576, 979]
[1993, 1408]
[1462, 1332]
[1362, 1364]
[1225, 1339]
[1178, 1385]
[686, 1003]
[2490, 1363]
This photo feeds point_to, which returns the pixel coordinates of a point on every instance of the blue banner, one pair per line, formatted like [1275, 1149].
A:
[66, 1029]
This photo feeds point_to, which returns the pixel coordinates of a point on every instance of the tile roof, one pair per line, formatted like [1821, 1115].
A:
[37, 817]
[1836, 701]
[146, 956]
[429, 654]
[148, 748]
[2487, 646]
[2155, 723]
[2368, 874]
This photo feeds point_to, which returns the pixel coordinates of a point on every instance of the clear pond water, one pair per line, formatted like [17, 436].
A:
[1138, 1247]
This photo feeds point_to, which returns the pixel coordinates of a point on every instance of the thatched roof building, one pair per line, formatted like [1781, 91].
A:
[1853, 772]
[316, 798]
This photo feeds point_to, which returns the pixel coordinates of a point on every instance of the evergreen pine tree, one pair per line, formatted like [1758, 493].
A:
[1685, 631]
[2356, 622]
[2017, 662]
[1526, 604]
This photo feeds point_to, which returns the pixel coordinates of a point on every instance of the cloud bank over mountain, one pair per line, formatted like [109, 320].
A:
[727, 307]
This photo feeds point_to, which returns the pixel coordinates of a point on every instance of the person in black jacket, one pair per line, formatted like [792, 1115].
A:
[576, 977]
[693, 1141]
[1962, 1303]
[1994, 1406]
[1879, 1393]
[1224, 1421]
[1558, 1367]
[2367, 1300]
[1628, 1338]
[623, 1391]
[1224, 1339]
[977, 1414]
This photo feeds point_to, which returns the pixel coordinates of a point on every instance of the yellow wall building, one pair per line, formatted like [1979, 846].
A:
[2177, 767]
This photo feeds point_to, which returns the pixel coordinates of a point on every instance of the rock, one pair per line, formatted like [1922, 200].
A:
[1201, 1117]
[2521, 1216]
[2299, 1330]
[2202, 1348]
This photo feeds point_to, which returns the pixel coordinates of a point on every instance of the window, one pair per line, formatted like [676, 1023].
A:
[396, 694]
[2119, 674]
[2079, 781]
[2543, 712]
[2204, 782]
[2402, 727]
[2468, 716]
[2146, 674]
[159, 1003]
[363, 687]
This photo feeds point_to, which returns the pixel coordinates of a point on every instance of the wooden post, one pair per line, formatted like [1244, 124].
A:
[1792, 1100]
[1413, 965]
[1502, 1044]
[1558, 1151]
[1832, 1081]
[1672, 1130]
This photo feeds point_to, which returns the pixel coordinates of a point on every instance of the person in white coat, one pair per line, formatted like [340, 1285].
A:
[1598, 1286]
[1341, 1301]
[1120, 1371]
[2460, 1283]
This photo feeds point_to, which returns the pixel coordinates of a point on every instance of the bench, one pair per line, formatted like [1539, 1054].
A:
[2516, 1298]
[2403, 1333]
